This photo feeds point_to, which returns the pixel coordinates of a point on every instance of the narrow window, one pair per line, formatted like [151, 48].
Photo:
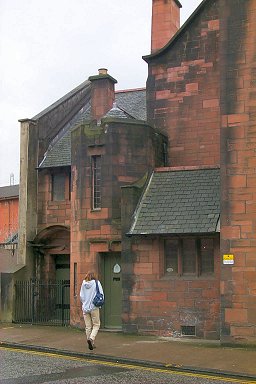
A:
[207, 256]
[75, 279]
[189, 256]
[165, 154]
[96, 182]
[171, 256]
[58, 187]
[69, 186]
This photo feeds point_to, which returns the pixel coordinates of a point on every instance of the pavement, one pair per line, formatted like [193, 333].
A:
[177, 353]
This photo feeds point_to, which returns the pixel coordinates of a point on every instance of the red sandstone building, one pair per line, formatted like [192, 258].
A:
[154, 188]
[9, 212]
[9, 209]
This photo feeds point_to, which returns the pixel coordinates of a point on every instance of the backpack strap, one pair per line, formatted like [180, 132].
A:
[97, 286]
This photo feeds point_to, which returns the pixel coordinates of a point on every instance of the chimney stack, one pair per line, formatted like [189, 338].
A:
[165, 22]
[102, 93]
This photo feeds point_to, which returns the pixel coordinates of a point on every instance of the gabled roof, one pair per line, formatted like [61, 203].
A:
[179, 202]
[130, 104]
[10, 191]
[85, 85]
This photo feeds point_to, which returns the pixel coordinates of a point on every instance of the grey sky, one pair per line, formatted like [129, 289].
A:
[49, 47]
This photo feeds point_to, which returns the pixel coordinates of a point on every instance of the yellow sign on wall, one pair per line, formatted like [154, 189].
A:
[228, 259]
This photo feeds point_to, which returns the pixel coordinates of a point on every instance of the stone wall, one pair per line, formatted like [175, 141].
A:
[160, 304]
[183, 90]
[52, 212]
[128, 153]
[238, 161]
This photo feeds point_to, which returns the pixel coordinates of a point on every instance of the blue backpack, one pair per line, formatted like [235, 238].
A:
[98, 300]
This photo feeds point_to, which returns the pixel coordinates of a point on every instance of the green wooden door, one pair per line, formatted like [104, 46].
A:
[112, 282]
[62, 265]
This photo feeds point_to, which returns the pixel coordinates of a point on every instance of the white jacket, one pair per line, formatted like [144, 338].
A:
[87, 294]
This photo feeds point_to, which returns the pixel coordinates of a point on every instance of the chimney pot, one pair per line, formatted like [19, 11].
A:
[165, 22]
[103, 71]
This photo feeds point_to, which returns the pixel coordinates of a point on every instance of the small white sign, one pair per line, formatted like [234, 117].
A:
[228, 259]
[117, 268]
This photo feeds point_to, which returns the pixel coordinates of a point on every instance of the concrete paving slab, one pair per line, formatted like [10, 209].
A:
[183, 352]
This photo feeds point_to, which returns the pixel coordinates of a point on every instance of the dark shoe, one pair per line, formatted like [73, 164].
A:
[90, 344]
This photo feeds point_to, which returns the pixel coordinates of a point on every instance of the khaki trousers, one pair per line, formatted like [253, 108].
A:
[92, 323]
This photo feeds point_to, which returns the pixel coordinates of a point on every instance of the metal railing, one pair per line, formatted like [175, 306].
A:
[42, 302]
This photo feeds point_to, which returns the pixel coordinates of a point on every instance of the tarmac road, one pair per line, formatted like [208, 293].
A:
[20, 366]
[201, 355]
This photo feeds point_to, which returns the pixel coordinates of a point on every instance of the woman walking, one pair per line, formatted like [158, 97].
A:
[90, 312]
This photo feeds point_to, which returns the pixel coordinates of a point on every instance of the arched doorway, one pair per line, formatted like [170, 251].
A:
[52, 250]
[46, 297]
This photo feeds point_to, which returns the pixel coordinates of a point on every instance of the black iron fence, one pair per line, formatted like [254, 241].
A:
[42, 302]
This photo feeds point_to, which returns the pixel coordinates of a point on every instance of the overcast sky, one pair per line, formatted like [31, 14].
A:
[49, 47]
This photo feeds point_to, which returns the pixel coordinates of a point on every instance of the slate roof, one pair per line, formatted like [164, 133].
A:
[9, 191]
[60, 154]
[179, 202]
[133, 102]
[129, 104]
[117, 113]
